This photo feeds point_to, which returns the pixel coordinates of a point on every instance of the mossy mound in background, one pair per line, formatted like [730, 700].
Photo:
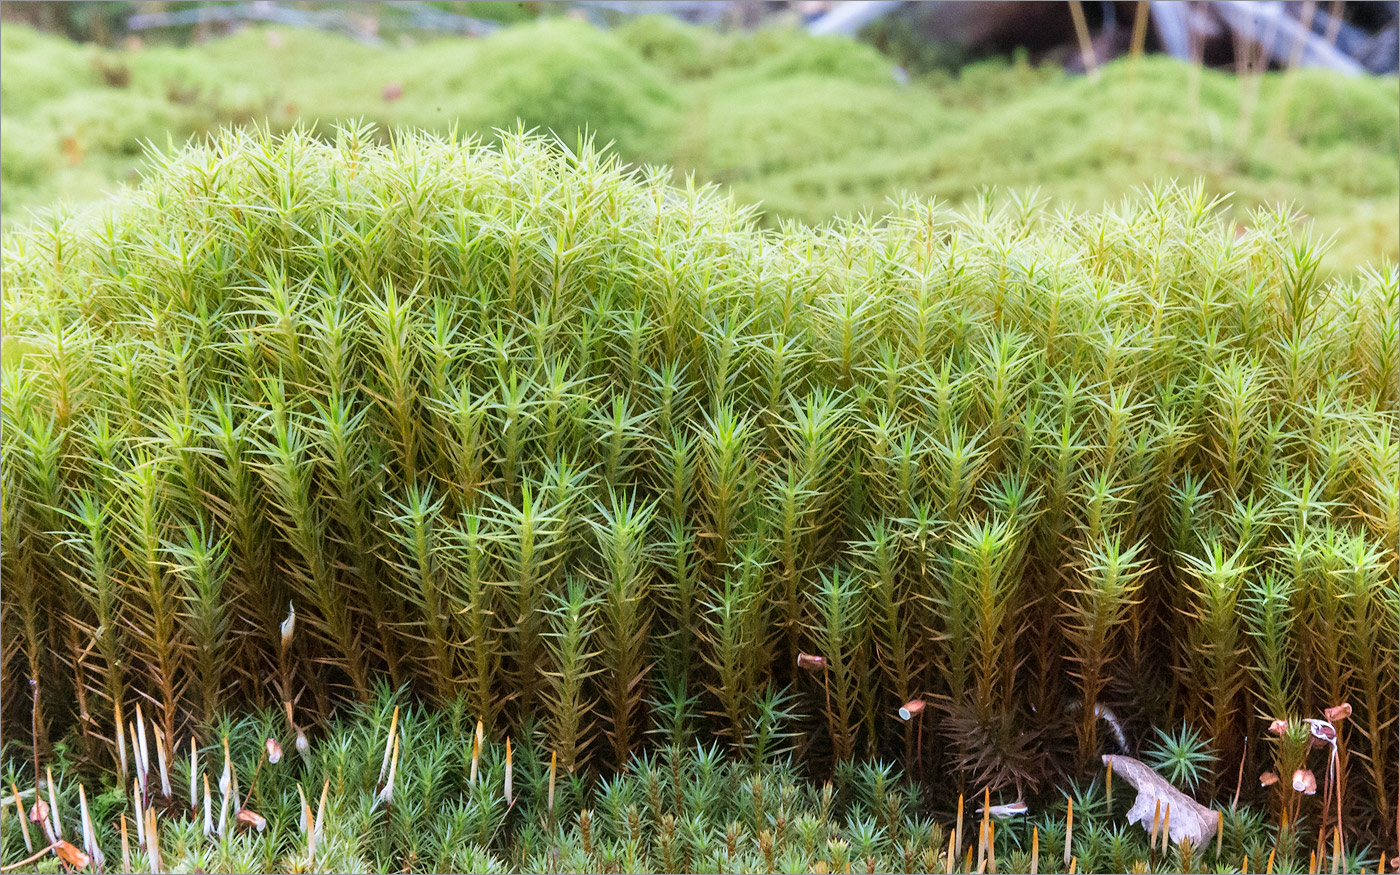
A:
[37, 67]
[1087, 142]
[810, 128]
[672, 45]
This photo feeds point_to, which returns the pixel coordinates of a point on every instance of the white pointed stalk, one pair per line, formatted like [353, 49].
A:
[126, 847]
[386, 795]
[208, 809]
[143, 752]
[160, 762]
[553, 765]
[53, 806]
[308, 828]
[226, 776]
[135, 753]
[140, 817]
[318, 826]
[237, 796]
[389, 746]
[121, 745]
[510, 774]
[23, 820]
[304, 820]
[223, 815]
[194, 776]
[137, 763]
[89, 832]
[476, 757]
[153, 841]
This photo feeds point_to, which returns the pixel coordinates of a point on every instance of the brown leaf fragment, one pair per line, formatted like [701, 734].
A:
[1190, 820]
[71, 855]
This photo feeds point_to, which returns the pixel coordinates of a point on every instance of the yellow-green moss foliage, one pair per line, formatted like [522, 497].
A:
[513, 424]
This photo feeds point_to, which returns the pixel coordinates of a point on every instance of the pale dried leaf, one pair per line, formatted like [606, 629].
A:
[1189, 819]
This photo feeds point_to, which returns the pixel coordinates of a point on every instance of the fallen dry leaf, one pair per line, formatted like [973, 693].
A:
[1189, 819]
[71, 855]
[1004, 812]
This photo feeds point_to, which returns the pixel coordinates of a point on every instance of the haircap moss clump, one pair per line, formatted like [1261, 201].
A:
[517, 424]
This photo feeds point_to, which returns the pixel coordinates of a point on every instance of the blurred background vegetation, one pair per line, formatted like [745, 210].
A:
[809, 127]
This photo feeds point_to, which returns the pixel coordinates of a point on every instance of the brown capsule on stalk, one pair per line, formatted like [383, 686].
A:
[911, 709]
[289, 626]
[808, 662]
[1338, 713]
[1304, 781]
[274, 751]
[40, 812]
[1268, 779]
[248, 818]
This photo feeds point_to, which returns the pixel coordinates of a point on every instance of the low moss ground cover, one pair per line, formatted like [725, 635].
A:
[440, 798]
[610, 466]
[809, 128]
